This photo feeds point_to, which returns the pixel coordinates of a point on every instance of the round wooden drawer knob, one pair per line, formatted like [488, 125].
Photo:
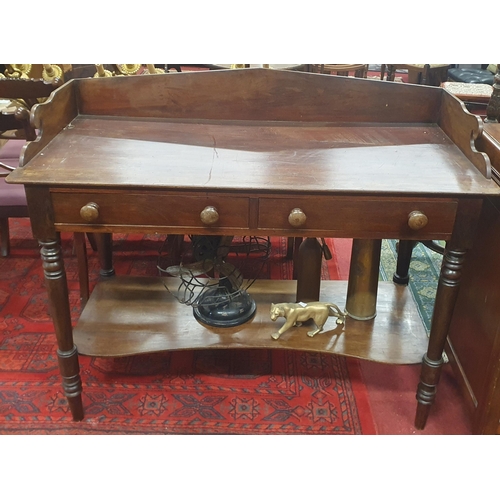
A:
[297, 218]
[209, 216]
[417, 220]
[90, 212]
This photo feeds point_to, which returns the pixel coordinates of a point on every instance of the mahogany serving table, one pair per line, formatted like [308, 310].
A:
[359, 159]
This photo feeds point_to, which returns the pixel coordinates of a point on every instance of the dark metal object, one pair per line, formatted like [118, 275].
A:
[224, 307]
[213, 285]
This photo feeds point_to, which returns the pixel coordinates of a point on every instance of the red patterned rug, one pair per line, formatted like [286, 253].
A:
[189, 392]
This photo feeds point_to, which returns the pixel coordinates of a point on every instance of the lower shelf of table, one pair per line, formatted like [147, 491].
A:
[132, 315]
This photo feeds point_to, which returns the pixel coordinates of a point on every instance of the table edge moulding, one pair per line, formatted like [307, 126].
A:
[268, 152]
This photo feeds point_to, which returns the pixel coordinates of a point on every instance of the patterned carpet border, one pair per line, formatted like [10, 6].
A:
[287, 402]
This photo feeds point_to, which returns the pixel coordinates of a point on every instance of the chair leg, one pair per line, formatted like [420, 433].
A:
[391, 72]
[4, 237]
[405, 249]
[83, 270]
[92, 240]
[297, 241]
[174, 245]
[104, 244]
[290, 247]
[432, 245]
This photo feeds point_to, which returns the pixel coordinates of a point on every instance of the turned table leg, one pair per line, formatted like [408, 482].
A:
[57, 290]
[432, 362]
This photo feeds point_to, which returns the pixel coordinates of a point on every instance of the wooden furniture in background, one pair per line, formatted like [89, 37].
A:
[493, 109]
[421, 74]
[12, 203]
[475, 96]
[23, 94]
[358, 158]
[291, 67]
[357, 70]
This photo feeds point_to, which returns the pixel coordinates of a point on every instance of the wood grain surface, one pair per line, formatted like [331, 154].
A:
[257, 156]
[129, 315]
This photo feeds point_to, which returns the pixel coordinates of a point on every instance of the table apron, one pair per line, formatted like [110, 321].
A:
[341, 216]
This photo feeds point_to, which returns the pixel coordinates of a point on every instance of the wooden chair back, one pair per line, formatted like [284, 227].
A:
[357, 70]
[23, 94]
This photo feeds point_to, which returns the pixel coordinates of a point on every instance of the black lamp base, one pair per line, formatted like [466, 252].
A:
[215, 308]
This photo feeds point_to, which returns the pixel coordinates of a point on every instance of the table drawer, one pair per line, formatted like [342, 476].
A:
[150, 209]
[359, 217]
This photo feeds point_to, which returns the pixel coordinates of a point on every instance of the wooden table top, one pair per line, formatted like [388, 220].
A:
[241, 155]
[258, 130]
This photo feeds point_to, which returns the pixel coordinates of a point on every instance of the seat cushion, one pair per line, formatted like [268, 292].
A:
[11, 150]
[469, 92]
[12, 195]
[471, 75]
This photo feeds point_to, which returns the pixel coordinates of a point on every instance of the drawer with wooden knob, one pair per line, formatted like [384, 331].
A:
[155, 209]
[344, 216]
